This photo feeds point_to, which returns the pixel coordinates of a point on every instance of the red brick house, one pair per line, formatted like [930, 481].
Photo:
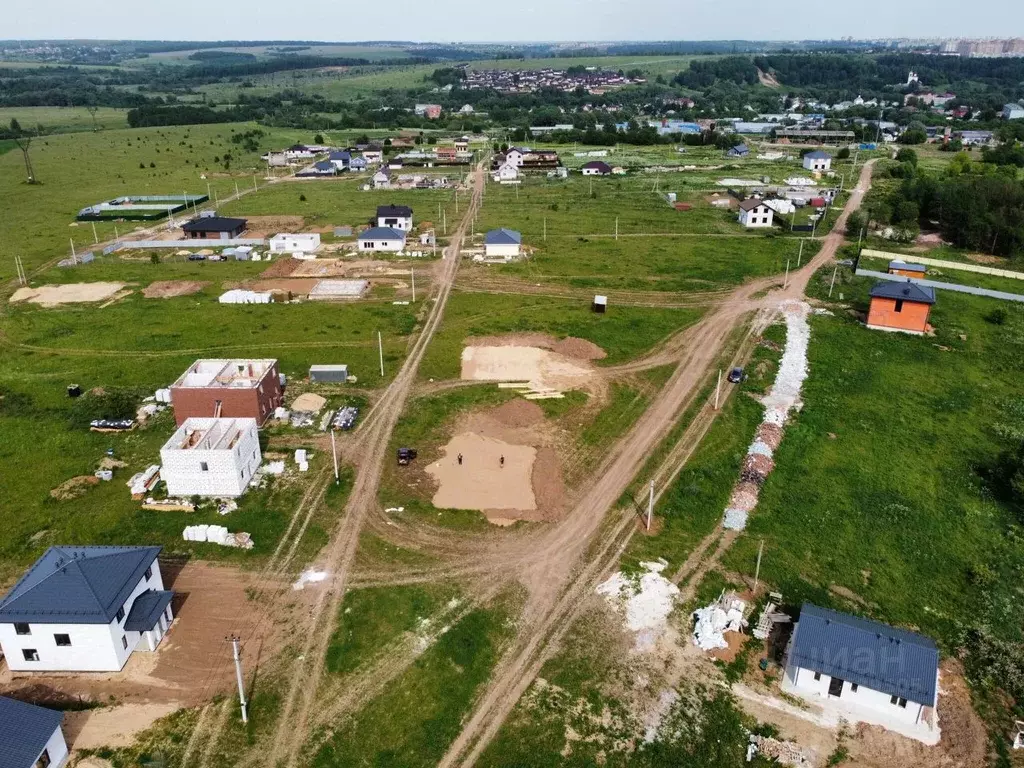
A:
[901, 307]
[227, 389]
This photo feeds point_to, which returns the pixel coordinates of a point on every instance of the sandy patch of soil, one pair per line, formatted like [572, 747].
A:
[281, 267]
[113, 727]
[268, 226]
[543, 368]
[518, 413]
[168, 289]
[570, 346]
[482, 482]
[55, 295]
[75, 487]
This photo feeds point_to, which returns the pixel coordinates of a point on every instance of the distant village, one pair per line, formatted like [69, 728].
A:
[591, 79]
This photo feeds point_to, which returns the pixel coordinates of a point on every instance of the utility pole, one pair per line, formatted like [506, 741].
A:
[718, 387]
[255, 186]
[380, 348]
[74, 256]
[334, 453]
[238, 675]
[412, 271]
[444, 223]
[236, 190]
[95, 237]
[616, 227]
[117, 237]
[833, 283]
[208, 195]
[785, 280]
[757, 571]
[456, 202]
[650, 506]
[800, 255]
[545, 229]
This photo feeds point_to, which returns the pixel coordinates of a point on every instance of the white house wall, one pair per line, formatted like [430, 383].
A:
[57, 749]
[94, 647]
[229, 471]
[762, 215]
[403, 223]
[290, 243]
[493, 251]
[381, 245]
[801, 682]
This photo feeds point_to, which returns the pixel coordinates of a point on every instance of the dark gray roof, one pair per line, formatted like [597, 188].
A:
[77, 585]
[400, 211]
[907, 291]
[382, 233]
[343, 154]
[869, 653]
[751, 203]
[739, 149]
[818, 155]
[324, 165]
[146, 610]
[214, 224]
[907, 267]
[598, 165]
[24, 731]
[503, 237]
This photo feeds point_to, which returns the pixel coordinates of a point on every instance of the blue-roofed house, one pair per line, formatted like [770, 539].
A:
[502, 243]
[740, 150]
[341, 159]
[865, 670]
[85, 609]
[817, 161]
[357, 164]
[381, 239]
[30, 736]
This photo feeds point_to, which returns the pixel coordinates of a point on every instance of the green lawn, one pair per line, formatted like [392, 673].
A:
[886, 481]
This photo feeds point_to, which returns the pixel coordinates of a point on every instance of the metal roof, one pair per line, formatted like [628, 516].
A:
[866, 652]
[394, 210]
[24, 731]
[503, 237]
[214, 224]
[382, 233]
[907, 291]
[597, 164]
[818, 155]
[147, 609]
[77, 585]
[751, 203]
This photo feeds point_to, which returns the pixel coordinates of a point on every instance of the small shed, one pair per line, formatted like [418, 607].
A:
[906, 269]
[600, 304]
[328, 374]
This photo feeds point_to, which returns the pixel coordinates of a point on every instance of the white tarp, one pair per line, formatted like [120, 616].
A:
[713, 621]
[646, 602]
[217, 534]
[241, 296]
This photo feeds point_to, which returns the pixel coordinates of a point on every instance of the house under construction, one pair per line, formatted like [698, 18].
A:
[227, 389]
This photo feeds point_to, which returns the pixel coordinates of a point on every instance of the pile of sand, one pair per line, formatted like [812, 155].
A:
[579, 349]
[55, 295]
[168, 289]
[518, 413]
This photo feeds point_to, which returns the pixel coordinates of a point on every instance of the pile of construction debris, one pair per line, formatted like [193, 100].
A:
[217, 534]
[782, 752]
[784, 396]
[711, 622]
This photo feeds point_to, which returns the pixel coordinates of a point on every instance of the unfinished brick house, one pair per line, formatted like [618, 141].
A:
[901, 307]
[237, 389]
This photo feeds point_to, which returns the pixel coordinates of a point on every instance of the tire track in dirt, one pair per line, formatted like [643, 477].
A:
[546, 617]
[294, 720]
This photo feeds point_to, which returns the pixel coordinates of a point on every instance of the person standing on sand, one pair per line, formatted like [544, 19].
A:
[501, 461]
[460, 459]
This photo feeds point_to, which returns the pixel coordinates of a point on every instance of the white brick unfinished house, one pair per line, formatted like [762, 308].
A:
[288, 243]
[211, 457]
[865, 671]
[85, 609]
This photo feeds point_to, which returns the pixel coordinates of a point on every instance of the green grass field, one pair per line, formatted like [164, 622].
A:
[885, 483]
[64, 119]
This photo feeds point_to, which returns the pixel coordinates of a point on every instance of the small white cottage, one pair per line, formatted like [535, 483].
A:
[30, 736]
[755, 213]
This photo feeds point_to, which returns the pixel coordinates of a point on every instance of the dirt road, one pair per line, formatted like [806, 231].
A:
[375, 437]
[555, 574]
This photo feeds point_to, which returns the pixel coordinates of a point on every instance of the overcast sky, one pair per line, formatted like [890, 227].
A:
[533, 20]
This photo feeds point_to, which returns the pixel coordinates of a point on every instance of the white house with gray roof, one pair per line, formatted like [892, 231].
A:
[85, 609]
[817, 161]
[865, 671]
[502, 243]
[31, 736]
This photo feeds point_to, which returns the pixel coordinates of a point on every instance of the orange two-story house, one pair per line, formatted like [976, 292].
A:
[901, 307]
